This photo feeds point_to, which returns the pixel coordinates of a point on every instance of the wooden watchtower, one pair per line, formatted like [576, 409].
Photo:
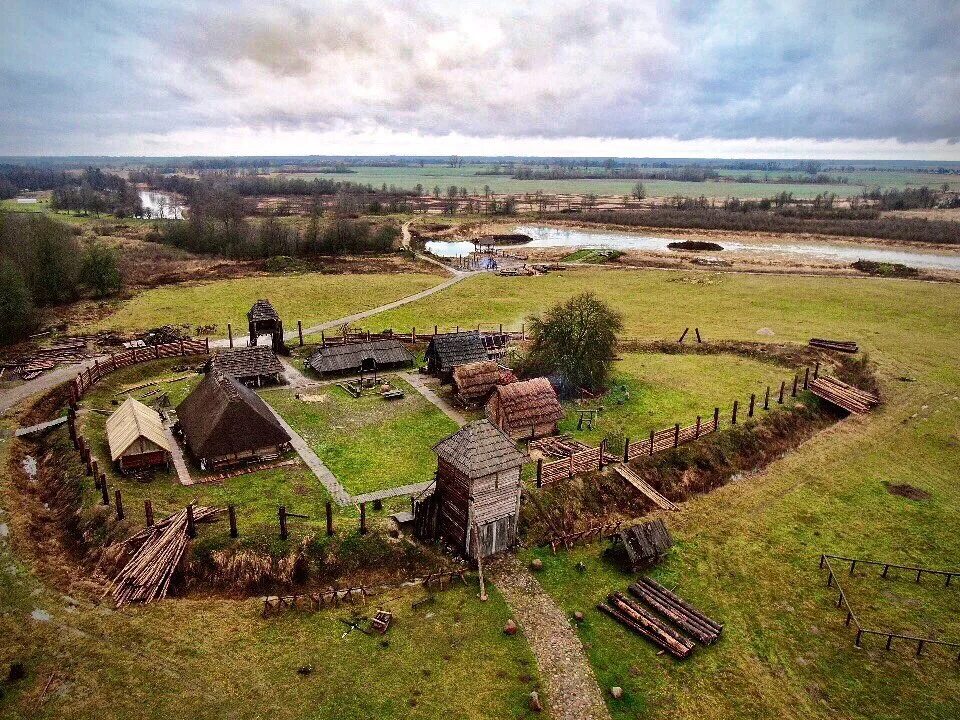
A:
[264, 320]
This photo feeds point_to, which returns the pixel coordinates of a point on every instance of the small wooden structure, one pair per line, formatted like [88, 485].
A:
[136, 437]
[644, 545]
[844, 396]
[264, 320]
[445, 352]
[846, 346]
[372, 355]
[476, 502]
[256, 365]
[473, 382]
[527, 409]
[225, 423]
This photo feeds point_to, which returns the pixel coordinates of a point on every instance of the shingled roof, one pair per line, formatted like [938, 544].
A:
[246, 362]
[479, 449]
[529, 402]
[222, 416]
[455, 349]
[133, 420]
[347, 357]
[262, 310]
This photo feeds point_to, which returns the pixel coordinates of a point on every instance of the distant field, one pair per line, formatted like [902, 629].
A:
[433, 175]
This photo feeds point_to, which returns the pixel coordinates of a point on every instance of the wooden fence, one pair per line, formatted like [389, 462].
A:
[583, 461]
[670, 438]
[348, 336]
[92, 375]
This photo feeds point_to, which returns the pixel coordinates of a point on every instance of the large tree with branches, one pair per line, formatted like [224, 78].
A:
[575, 340]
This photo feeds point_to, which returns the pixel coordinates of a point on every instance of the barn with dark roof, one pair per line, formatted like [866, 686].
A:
[476, 503]
[350, 357]
[445, 352]
[225, 423]
[527, 409]
[256, 365]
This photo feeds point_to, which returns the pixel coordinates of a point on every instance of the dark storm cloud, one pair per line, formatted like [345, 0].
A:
[75, 72]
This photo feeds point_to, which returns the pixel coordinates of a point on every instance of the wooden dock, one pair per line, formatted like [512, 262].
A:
[644, 488]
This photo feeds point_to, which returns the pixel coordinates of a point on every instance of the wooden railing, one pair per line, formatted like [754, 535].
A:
[670, 438]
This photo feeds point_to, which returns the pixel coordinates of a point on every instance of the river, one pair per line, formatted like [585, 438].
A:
[161, 205]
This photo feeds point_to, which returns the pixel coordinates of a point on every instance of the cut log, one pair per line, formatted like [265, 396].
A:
[644, 488]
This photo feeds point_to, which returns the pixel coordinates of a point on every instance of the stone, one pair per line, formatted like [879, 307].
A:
[617, 692]
[536, 564]
[510, 628]
[535, 703]
[578, 616]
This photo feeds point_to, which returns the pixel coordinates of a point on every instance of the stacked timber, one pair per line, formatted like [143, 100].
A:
[844, 396]
[645, 544]
[686, 617]
[146, 576]
[647, 624]
[847, 346]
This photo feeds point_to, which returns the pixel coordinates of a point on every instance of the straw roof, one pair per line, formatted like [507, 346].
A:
[477, 380]
[530, 402]
[262, 310]
[222, 417]
[349, 356]
[246, 362]
[131, 421]
[479, 449]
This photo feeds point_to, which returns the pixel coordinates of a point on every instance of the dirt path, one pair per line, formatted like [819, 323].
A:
[421, 387]
[571, 688]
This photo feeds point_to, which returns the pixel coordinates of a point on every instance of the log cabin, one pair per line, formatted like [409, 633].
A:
[136, 437]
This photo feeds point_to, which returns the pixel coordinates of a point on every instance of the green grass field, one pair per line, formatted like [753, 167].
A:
[310, 297]
[369, 443]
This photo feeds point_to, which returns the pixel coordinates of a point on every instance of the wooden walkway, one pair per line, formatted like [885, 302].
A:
[56, 422]
[644, 488]
[179, 464]
[414, 489]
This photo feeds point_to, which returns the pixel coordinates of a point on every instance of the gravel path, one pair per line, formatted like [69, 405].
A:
[571, 687]
[421, 387]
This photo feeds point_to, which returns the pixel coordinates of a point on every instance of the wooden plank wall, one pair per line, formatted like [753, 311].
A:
[90, 377]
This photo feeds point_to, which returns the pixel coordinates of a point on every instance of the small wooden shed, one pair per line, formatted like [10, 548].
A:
[136, 437]
[527, 409]
[473, 382]
[477, 496]
[256, 365]
[445, 352]
[264, 320]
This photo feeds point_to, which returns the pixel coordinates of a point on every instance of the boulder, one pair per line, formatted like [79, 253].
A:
[536, 564]
[578, 616]
[617, 692]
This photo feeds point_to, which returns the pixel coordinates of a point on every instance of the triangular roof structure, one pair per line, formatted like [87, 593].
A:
[349, 356]
[222, 416]
[455, 349]
[131, 421]
[247, 361]
[262, 310]
[479, 449]
[528, 402]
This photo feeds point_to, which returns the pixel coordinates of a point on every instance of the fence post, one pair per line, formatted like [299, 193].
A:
[783, 385]
[683, 335]
[806, 379]
[323, 339]
[148, 512]
[766, 399]
[329, 518]
[796, 379]
[603, 450]
[696, 432]
[363, 518]
[626, 449]
[523, 331]
[230, 334]
[697, 331]
[104, 493]
[232, 515]
[118, 501]
[716, 419]
[206, 344]
[651, 442]
[676, 435]
[539, 472]
[300, 331]
[733, 418]
[753, 401]
[571, 465]
[413, 334]
[816, 370]
[94, 467]
[434, 330]
[191, 525]
[282, 516]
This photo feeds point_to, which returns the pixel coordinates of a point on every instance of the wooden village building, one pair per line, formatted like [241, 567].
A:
[476, 503]
[136, 437]
[474, 382]
[225, 423]
[256, 365]
[445, 352]
[367, 356]
[527, 409]
[264, 320]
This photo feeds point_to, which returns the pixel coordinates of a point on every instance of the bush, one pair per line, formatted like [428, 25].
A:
[16, 307]
[99, 270]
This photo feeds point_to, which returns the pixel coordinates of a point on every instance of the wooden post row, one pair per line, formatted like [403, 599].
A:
[733, 418]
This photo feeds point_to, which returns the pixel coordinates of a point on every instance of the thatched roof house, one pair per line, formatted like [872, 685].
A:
[350, 357]
[136, 437]
[224, 422]
[474, 382]
[445, 352]
[478, 489]
[526, 409]
[254, 365]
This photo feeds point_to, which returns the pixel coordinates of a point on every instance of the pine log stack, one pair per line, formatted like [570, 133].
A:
[844, 396]
[645, 623]
[847, 346]
[146, 576]
[686, 617]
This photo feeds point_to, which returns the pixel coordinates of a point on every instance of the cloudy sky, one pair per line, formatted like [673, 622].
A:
[561, 77]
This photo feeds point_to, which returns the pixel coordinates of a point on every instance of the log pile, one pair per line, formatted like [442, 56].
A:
[146, 576]
[645, 544]
[680, 613]
[846, 346]
[844, 396]
[645, 623]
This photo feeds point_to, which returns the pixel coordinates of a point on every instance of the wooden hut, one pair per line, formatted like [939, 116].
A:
[527, 409]
[445, 352]
[372, 355]
[256, 365]
[477, 496]
[473, 382]
[136, 437]
[225, 423]
[264, 320]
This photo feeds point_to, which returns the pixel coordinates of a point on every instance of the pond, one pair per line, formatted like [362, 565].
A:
[161, 205]
[544, 236]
